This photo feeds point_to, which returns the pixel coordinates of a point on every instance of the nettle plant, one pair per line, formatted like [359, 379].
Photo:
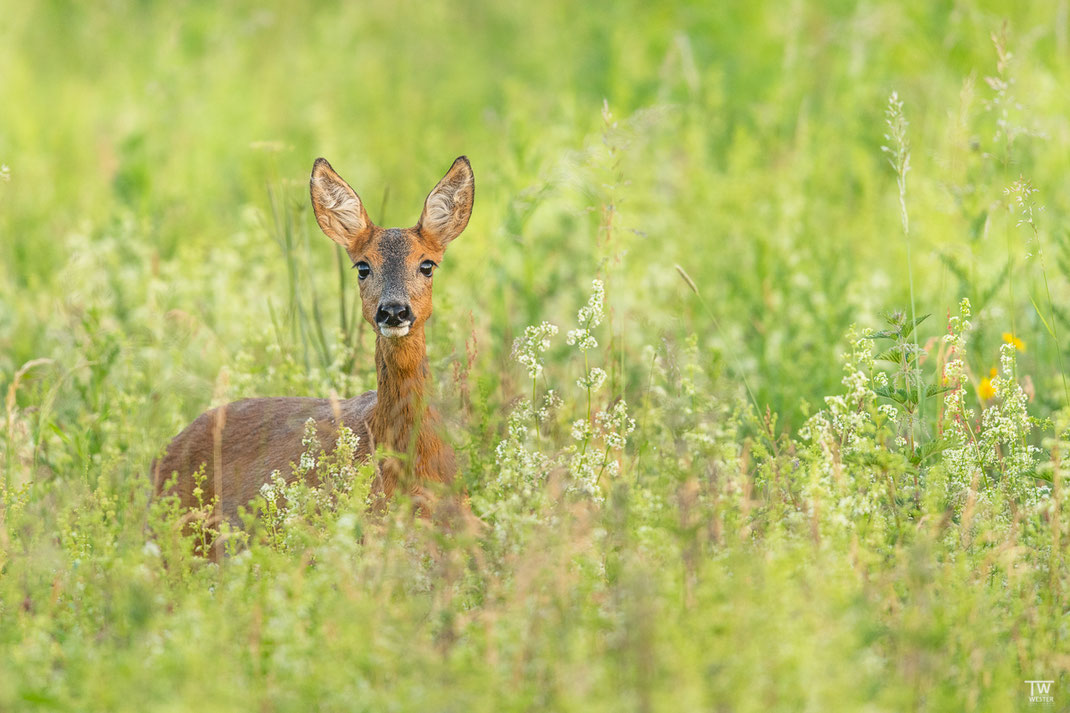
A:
[905, 385]
[597, 438]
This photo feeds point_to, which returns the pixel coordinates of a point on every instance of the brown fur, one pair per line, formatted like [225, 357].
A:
[242, 443]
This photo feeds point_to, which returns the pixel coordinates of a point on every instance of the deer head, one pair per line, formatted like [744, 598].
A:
[395, 266]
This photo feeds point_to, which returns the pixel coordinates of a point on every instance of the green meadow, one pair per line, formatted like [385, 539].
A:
[805, 451]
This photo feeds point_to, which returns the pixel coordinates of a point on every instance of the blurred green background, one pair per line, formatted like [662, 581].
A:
[143, 139]
[158, 248]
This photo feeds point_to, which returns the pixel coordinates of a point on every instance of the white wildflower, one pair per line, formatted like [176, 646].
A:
[582, 339]
[614, 425]
[593, 380]
[310, 448]
[536, 340]
[962, 459]
[584, 481]
[846, 414]
[581, 430]
[889, 410]
[589, 317]
[550, 403]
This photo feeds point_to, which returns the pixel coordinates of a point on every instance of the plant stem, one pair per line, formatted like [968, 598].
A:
[535, 411]
[587, 378]
[1051, 312]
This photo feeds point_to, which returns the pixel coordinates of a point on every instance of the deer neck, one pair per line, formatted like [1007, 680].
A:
[402, 372]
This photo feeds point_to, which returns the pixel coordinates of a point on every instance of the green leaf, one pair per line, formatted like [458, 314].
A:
[935, 390]
[899, 352]
[59, 432]
[977, 225]
[955, 268]
[895, 319]
[995, 286]
[1042, 320]
[909, 326]
[1040, 475]
[894, 355]
[897, 395]
[929, 450]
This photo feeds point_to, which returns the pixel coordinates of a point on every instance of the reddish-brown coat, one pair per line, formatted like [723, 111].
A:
[242, 443]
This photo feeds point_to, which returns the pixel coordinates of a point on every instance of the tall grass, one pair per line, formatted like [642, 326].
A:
[718, 464]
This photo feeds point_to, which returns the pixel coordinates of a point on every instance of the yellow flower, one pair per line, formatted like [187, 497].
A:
[985, 391]
[1011, 339]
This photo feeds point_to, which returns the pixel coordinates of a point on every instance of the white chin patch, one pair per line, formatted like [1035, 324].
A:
[394, 332]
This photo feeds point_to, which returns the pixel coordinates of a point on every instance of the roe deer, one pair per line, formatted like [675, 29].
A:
[240, 444]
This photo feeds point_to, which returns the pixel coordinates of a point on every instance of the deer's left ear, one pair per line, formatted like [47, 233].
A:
[449, 206]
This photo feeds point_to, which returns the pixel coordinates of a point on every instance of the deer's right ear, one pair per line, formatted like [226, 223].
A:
[339, 210]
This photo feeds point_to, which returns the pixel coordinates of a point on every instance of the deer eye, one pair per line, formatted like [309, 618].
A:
[427, 268]
[363, 270]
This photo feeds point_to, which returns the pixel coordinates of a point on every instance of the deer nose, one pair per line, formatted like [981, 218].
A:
[392, 314]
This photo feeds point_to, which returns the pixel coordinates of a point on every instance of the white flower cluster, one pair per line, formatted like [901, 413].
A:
[536, 340]
[889, 411]
[581, 464]
[520, 468]
[581, 430]
[614, 425]
[1000, 448]
[310, 447]
[846, 414]
[550, 403]
[280, 498]
[584, 476]
[1005, 427]
[962, 457]
[318, 479]
[342, 471]
[589, 317]
[272, 490]
[593, 380]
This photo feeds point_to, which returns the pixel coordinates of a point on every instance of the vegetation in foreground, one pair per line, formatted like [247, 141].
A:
[751, 354]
